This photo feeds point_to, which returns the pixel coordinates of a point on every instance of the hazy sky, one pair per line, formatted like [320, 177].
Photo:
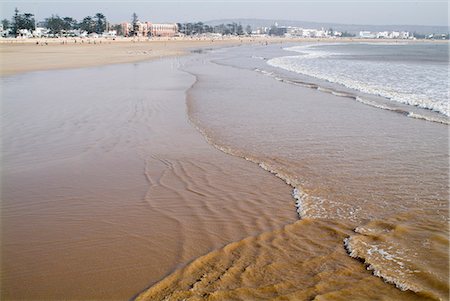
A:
[348, 12]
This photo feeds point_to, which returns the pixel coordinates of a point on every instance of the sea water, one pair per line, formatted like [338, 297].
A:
[382, 174]
[415, 74]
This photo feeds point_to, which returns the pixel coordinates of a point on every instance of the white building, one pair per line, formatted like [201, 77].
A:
[394, 35]
[40, 32]
[383, 35]
[404, 35]
[367, 35]
[309, 33]
[110, 34]
[24, 33]
[321, 33]
[163, 30]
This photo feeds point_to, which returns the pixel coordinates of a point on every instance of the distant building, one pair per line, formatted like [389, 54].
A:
[110, 34]
[41, 32]
[294, 31]
[321, 33]
[24, 33]
[310, 33]
[278, 31]
[394, 35]
[125, 28]
[163, 30]
[383, 35]
[261, 30]
[367, 35]
[145, 29]
[405, 35]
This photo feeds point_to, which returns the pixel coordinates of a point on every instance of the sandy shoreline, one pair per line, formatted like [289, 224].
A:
[25, 55]
[120, 158]
[18, 56]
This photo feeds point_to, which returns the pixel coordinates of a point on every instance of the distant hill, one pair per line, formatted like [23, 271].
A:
[353, 28]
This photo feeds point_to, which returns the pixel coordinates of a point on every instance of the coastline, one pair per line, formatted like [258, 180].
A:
[27, 55]
[36, 54]
[277, 264]
[292, 235]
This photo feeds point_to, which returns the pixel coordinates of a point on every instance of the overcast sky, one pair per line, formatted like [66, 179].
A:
[382, 12]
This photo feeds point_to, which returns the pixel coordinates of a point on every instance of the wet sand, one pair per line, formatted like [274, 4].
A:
[370, 184]
[107, 188]
[302, 261]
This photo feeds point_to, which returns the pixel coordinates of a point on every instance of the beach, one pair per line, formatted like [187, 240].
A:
[211, 176]
[24, 55]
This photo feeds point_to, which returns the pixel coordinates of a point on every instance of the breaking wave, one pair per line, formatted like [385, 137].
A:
[402, 82]
[376, 104]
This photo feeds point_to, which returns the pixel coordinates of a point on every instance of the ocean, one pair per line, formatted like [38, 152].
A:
[376, 167]
[410, 73]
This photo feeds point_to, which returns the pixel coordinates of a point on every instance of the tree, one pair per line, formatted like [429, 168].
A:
[248, 29]
[70, 23]
[231, 28]
[118, 29]
[134, 25]
[239, 30]
[15, 23]
[189, 28]
[6, 24]
[347, 34]
[22, 21]
[208, 28]
[28, 21]
[331, 31]
[55, 24]
[100, 23]
[88, 25]
[199, 28]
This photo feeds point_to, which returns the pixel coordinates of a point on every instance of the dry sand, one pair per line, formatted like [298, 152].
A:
[19, 56]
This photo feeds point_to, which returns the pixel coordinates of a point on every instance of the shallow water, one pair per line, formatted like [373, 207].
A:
[302, 261]
[107, 188]
[382, 174]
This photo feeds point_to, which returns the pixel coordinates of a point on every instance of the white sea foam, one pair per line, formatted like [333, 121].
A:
[420, 85]
[386, 255]
[258, 57]
[444, 119]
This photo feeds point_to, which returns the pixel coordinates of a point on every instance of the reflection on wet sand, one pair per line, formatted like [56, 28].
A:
[107, 188]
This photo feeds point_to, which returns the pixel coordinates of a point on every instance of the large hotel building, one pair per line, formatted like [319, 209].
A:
[150, 29]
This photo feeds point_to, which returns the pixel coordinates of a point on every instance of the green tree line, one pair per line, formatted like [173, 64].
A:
[55, 23]
[224, 29]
